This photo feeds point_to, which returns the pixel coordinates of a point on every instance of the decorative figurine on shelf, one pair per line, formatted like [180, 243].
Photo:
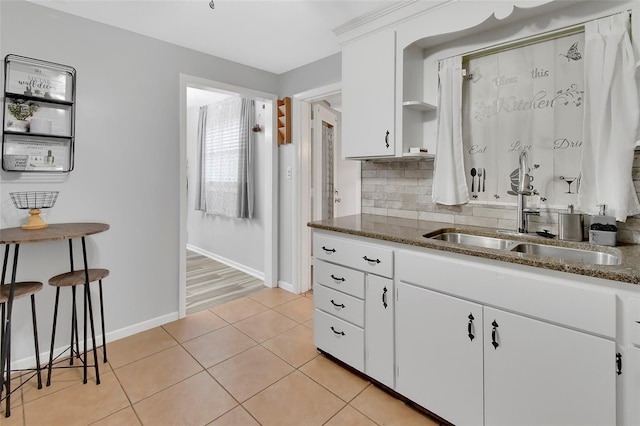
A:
[34, 201]
[20, 109]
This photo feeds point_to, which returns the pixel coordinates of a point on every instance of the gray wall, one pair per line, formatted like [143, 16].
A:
[127, 162]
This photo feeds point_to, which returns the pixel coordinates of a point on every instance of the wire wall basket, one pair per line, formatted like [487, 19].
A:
[34, 201]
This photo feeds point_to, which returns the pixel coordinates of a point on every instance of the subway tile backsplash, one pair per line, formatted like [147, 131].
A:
[403, 189]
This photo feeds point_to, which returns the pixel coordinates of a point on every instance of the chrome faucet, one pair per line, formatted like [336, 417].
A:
[524, 189]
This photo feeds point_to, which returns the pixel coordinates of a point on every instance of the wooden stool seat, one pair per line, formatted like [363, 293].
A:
[73, 279]
[77, 277]
[21, 289]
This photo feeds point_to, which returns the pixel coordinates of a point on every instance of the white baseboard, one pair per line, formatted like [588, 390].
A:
[112, 336]
[228, 262]
[286, 286]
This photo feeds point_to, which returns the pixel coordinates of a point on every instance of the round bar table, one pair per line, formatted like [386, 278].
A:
[17, 236]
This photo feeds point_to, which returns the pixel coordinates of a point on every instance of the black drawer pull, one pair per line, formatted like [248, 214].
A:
[336, 305]
[328, 250]
[341, 333]
[494, 334]
[371, 260]
[337, 278]
[386, 139]
[619, 363]
[470, 327]
[384, 297]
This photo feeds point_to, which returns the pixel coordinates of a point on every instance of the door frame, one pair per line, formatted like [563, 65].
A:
[271, 184]
[301, 125]
[316, 156]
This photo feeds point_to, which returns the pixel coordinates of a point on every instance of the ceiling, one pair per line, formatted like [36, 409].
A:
[272, 35]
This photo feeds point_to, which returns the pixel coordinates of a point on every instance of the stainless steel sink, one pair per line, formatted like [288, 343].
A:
[537, 249]
[566, 253]
[476, 240]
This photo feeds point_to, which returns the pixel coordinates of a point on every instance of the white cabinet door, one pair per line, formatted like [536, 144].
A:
[542, 374]
[439, 363]
[368, 96]
[378, 332]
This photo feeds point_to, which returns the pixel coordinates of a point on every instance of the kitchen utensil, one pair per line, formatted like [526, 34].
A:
[570, 225]
[473, 178]
[479, 179]
[484, 179]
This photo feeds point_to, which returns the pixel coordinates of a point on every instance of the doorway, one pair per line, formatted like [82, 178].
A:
[346, 173]
[266, 191]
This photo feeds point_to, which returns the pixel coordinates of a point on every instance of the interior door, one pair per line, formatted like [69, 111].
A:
[336, 182]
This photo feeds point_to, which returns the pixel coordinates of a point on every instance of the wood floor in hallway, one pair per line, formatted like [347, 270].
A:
[211, 283]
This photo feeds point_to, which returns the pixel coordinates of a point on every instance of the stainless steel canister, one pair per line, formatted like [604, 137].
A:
[570, 226]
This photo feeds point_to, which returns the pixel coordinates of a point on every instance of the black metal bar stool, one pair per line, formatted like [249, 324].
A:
[8, 293]
[73, 279]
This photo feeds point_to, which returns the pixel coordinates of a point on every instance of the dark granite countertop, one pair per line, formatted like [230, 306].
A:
[411, 232]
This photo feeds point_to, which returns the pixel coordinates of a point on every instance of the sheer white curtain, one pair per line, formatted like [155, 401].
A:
[611, 119]
[226, 158]
[449, 182]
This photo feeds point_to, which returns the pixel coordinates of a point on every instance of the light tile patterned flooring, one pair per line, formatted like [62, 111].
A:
[247, 362]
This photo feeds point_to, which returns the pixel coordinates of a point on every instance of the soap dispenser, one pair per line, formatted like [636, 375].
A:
[603, 229]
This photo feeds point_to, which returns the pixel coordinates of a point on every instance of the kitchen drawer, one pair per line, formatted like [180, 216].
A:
[339, 278]
[339, 304]
[339, 338]
[365, 257]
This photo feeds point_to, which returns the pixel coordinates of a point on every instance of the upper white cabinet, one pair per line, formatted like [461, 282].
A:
[368, 96]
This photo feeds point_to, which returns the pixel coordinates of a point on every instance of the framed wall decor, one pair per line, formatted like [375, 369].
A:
[38, 132]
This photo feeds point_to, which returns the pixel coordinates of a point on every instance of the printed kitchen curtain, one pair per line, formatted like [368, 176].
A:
[449, 182]
[226, 164]
[611, 117]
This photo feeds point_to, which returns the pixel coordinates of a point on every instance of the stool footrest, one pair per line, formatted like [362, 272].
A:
[78, 277]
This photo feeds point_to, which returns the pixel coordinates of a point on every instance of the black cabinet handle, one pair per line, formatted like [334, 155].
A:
[384, 297]
[494, 334]
[371, 260]
[619, 363]
[328, 250]
[337, 278]
[386, 139]
[336, 305]
[341, 333]
[470, 327]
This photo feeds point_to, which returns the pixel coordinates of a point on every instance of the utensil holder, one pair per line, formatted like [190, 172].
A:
[570, 226]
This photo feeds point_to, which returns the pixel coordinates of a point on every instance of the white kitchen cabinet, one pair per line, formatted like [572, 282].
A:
[379, 349]
[369, 96]
[548, 368]
[542, 374]
[439, 363]
[353, 316]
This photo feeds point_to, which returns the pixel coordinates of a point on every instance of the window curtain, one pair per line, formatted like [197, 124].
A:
[449, 183]
[611, 119]
[225, 139]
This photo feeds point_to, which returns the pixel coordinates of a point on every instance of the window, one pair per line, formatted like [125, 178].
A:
[528, 98]
[226, 174]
